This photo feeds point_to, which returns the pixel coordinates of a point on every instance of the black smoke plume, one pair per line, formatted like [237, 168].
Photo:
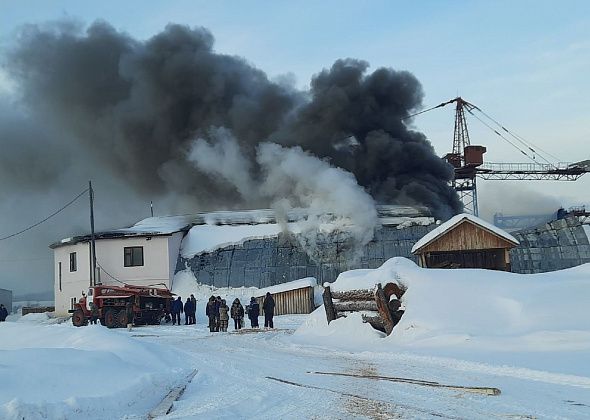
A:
[135, 107]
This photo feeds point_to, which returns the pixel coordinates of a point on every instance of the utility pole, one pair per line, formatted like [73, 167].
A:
[152, 208]
[92, 238]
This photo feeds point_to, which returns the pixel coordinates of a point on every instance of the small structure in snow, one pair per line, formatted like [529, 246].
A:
[466, 241]
[295, 297]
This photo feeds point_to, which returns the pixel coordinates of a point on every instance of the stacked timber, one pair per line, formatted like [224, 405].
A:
[379, 307]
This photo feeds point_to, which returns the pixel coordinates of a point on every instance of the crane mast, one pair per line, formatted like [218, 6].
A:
[467, 160]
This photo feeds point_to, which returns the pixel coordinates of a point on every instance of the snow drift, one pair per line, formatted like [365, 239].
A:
[470, 309]
[59, 371]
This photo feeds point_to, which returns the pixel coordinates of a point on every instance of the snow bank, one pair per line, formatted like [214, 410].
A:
[478, 309]
[60, 371]
[350, 330]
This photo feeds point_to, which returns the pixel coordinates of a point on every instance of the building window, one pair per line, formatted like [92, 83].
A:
[133, 256]
[59, 274]
[72, 303]
[73, 264]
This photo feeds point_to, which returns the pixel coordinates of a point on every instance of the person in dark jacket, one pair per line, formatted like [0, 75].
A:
[217, 305]
[188, 309]
[237, 313]
[93, 313]
[210, 311]
[176, 309]
[3, 313]
[253, 312]
[269, 310]
[194, 308]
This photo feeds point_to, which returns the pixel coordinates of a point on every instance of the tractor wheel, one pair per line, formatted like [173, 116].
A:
[78, 319]
[122, 318]
[110, 318]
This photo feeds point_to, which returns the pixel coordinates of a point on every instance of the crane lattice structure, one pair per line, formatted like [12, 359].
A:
[467, 159]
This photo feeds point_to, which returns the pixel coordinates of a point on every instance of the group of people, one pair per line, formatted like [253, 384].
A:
[189, 308]
[3, 313]
[219, 313]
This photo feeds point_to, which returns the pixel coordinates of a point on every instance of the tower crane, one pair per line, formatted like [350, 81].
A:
[467, 159]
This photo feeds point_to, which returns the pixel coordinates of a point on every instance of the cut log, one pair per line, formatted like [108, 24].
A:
[331, 314]
[354, 295]
[375, 322]
[356, 305]
[393, 289]
[383, 308]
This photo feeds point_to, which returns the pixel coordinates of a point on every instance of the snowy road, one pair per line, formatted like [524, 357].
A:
[234, 370]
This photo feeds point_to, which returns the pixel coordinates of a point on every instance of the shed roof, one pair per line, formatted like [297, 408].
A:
[454, 222]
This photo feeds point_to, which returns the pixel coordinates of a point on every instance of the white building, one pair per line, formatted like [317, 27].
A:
[143, 254]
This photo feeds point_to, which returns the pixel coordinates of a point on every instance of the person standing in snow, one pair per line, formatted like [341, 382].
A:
[253, 312]
[187, 311]
[3, 313]
[269, 310]
[93, 313]
[176, 309]
[223, 316]
[210, 312]
[217, 302]
[237, 313]
[194, 308]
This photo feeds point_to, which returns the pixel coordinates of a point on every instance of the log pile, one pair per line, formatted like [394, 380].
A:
[380, 307]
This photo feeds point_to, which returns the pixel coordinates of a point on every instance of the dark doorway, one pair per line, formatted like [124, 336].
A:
[491, 259]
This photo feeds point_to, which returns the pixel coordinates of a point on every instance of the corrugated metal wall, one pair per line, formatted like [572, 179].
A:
[298, 301]
[549, 247]
[266, 262]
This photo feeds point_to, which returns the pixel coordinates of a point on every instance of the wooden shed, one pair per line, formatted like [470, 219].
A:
[296, 297]
[465, 241]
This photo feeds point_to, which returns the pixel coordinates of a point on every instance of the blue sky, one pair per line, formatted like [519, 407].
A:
[524, 62]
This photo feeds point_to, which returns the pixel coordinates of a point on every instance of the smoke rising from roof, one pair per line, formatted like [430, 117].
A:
[289, 179]
[137, 106]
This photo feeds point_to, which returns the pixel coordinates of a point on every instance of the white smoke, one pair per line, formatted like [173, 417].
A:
[290, 179]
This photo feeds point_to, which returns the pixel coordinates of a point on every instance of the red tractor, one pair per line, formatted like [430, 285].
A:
[118, 306]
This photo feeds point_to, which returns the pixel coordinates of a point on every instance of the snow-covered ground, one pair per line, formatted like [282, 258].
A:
[527, 335]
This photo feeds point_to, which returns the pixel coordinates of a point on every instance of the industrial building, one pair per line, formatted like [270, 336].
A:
[226, 249]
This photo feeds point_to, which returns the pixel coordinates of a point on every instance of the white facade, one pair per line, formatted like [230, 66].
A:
[160, 254]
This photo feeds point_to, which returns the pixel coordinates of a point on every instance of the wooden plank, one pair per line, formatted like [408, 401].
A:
[472, 389]
[383, 309]
[331, 314]
[175, 393]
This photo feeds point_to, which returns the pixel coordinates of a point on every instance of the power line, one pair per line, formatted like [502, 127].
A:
[46, 219]
[501, 136]
[109, 274]
[528, 144]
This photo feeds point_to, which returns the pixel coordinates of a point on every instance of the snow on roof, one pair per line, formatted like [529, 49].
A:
[158, 225]
[456, 220]
[202, 238]
[390, 215]
[292, 285]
